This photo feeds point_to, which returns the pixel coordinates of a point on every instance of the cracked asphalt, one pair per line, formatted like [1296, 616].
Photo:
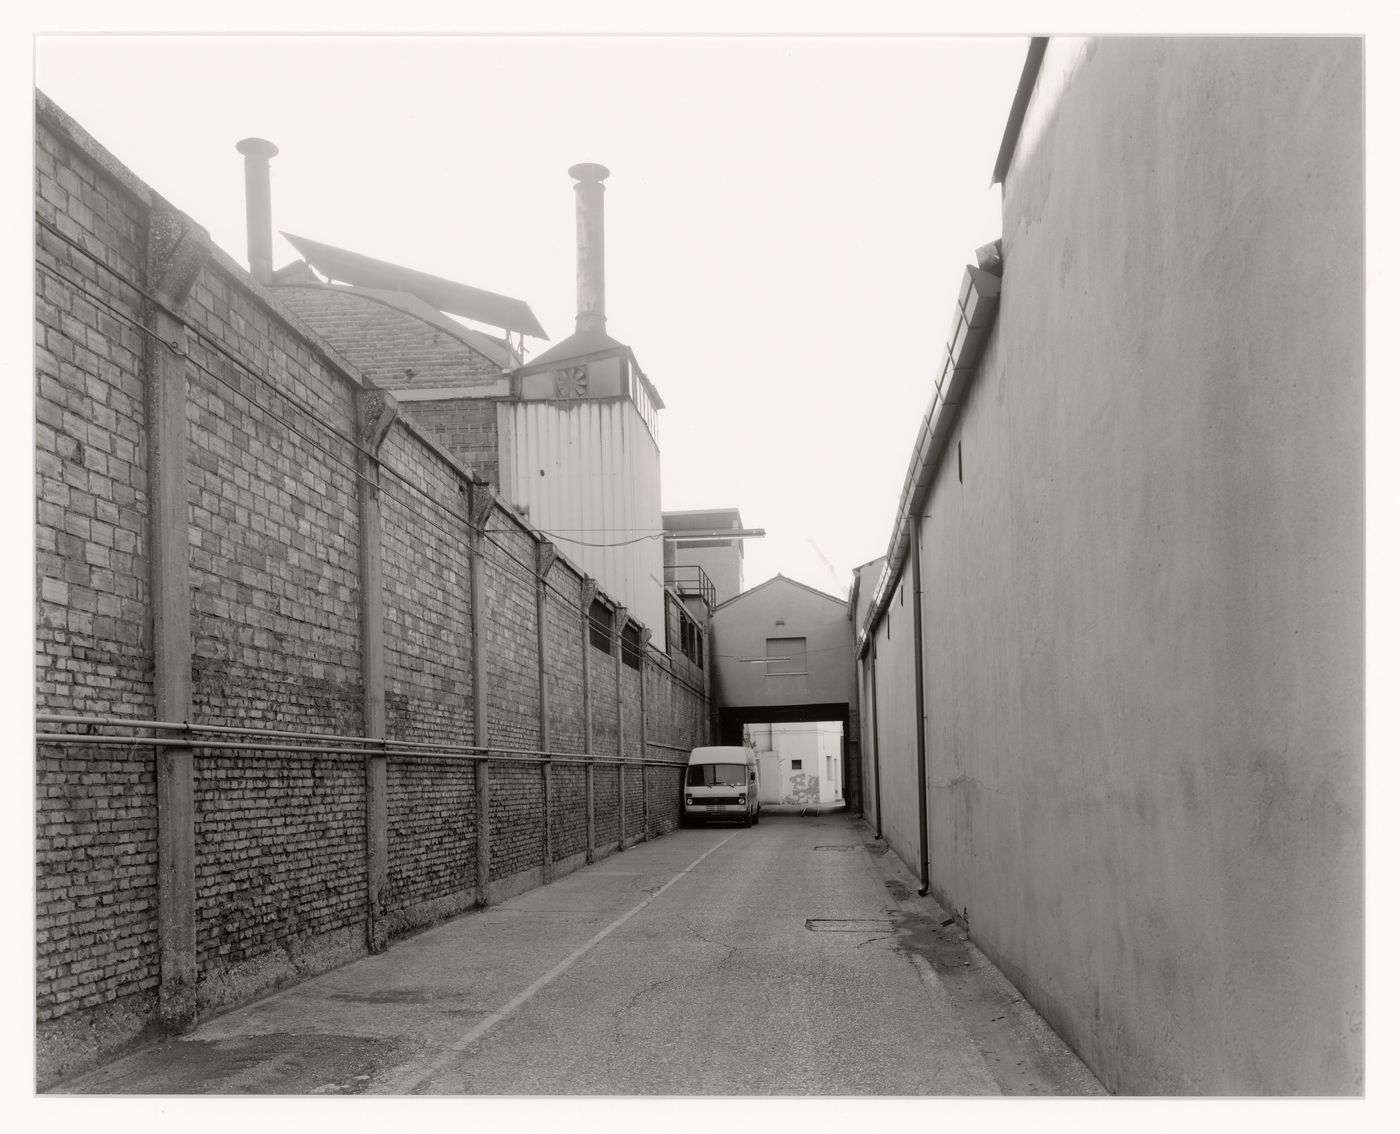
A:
[791, 958]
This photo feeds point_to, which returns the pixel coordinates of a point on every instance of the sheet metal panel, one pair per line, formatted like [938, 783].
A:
[589, 473]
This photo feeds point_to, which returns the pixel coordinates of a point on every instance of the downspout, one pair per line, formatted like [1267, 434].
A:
[917, 568]
[875, 737]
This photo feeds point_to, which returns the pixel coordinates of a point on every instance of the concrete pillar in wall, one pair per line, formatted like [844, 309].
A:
[176, 252]
[646, 752]
[481, 501]
[544, 560]
[374, 413]
[619, 621]
[588, 591]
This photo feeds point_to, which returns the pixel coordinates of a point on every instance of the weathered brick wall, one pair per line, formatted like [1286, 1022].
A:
[465, 427]
[95, 825]
[427, 596]
[517, 802]
[274, 553]
[568, 821]
[95, 884]
[564, 625]
[663, 798]
[633, 816]
[432, 833]
[632, 712]
[602, 677]
[512, 654]
[279, 859]
[605, 810]
[390, 347]
[90, 474]
[675, 711]
[273, 530]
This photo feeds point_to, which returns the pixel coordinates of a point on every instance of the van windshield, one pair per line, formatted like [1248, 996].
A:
[715, 775]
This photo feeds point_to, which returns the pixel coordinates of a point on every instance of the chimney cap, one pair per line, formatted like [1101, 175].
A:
[257, 147]
[588, 171]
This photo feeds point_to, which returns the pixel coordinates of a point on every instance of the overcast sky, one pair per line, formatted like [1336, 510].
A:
[787, 217]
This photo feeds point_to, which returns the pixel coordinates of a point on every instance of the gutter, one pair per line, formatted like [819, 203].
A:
[1030, 71]
[920, 745]
[978, 299]
[875, 740]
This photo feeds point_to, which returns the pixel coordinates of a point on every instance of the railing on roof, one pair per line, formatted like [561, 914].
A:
[691, 580]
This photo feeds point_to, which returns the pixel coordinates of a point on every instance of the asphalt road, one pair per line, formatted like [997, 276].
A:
[791, 958]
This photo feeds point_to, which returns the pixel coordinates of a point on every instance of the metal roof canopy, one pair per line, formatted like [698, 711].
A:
[457, 299]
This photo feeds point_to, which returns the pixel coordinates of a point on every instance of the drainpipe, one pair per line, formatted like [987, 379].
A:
[875, 735]
[257, 182]
[917, 568]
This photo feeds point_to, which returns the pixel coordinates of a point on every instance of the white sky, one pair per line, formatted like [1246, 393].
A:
[787, 217]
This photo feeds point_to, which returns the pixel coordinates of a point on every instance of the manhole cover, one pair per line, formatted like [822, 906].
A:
[849, 925]
[837, 848]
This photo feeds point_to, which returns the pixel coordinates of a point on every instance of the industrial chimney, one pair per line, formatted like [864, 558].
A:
[258, 191]
[588, 194]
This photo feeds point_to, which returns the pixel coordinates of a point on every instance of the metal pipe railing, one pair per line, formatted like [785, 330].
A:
[276, 740]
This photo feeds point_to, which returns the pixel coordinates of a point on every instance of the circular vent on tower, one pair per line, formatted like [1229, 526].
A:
[571, 382]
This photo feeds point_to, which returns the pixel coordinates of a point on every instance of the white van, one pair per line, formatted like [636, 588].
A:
[721, 782]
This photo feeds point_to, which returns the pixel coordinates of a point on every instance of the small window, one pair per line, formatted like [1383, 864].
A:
[789, 656]
[631, 646]
[797, 765]
[600, 626]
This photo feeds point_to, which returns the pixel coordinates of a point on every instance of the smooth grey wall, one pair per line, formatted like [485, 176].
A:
[1143, 612]
[742, 626]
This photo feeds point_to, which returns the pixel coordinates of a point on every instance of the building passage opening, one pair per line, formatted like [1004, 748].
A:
[799, 762]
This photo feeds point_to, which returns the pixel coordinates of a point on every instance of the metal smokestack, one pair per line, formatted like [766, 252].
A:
[588, 197]
[258, 190]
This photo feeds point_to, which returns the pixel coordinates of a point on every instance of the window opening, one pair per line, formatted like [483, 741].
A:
[599, 626]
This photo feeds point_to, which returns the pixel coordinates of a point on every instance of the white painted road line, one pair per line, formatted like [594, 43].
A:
[407, 1084]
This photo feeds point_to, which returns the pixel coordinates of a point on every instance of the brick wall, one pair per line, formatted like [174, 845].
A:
[273, 534]
[517, 802]
[392, 348]
[91, 628]
[564, 626]
[632, 712]
[427, 598]
[633, 783]
[95, 885]
[605, 812]
[279, 860]
[603, 680]
[466, 428]
[512, 653]
[280, 867]
[432, 836]
[568, 825]
[663, 795]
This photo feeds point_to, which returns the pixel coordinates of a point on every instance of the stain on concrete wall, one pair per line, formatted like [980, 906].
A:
[803, 787]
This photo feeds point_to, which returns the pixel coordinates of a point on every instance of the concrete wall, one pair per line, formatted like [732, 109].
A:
[724, 566]
[742, 626]
[1143, 590]
[894, 718]
[282, 882]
